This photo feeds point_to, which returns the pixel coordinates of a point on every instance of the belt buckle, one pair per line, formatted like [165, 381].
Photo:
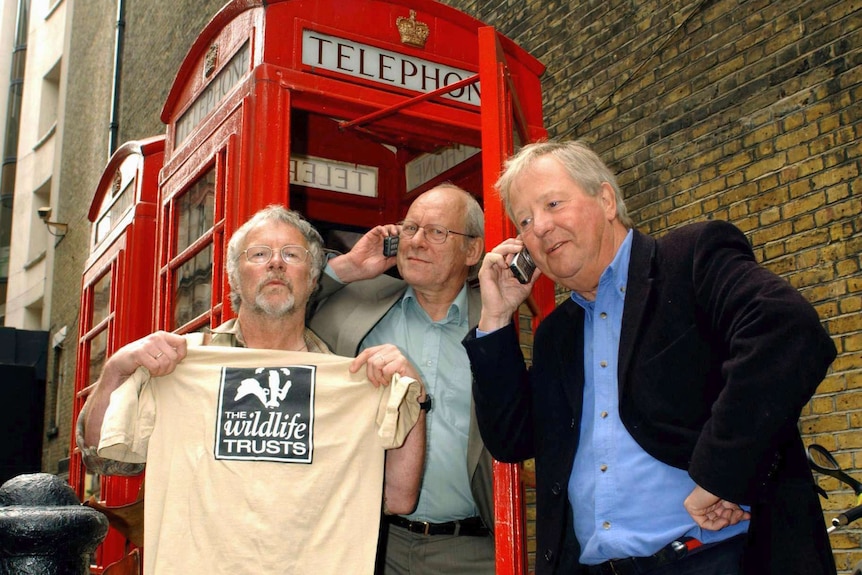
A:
[427, 525]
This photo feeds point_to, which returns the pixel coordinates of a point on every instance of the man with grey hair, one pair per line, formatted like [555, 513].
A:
[662, 402]
[425, 314]
[237, 409]
[275, 214]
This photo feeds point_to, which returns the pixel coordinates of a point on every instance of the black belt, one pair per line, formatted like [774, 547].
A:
[472, 526]
[671, 552]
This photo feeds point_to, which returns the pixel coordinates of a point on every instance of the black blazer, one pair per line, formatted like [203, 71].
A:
[717, 358]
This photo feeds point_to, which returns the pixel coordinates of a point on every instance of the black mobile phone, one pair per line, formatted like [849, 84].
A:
[390, 246]
[523, 266]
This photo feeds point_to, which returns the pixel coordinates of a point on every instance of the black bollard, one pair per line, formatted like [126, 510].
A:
[44, 529]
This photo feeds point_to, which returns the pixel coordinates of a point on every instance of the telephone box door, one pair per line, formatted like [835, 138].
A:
[116, 301]
[504, 129]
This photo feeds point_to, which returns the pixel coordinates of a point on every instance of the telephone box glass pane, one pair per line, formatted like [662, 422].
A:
[117, 206]
[195, 210]
[194, 287]
[98, 350]
[101, 299]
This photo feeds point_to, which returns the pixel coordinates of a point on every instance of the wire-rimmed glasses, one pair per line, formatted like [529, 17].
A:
[433, 233]
[290, 254]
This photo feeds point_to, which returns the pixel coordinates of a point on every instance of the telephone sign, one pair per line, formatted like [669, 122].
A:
[335, 176]
[385, 67]
[220, 86]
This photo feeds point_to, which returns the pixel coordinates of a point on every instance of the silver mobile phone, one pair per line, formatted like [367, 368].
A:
[390, 246]
[523, 266]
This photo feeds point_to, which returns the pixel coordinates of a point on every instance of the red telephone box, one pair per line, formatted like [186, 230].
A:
[344, 111]
[115, 310]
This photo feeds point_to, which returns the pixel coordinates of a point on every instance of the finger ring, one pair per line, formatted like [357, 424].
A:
[381, 358]
[160, 354]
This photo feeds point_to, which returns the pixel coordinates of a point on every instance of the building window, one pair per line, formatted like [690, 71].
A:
[50, 101]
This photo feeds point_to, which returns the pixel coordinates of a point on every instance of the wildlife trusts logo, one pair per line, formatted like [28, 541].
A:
[266, 414]
[275, 392]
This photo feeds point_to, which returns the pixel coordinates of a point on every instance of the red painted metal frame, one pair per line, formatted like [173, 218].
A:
[127, 251]
[497, 145]
[504, 117]
[247, 137]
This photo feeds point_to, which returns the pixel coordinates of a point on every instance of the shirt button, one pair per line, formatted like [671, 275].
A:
[603, 315]
[603, 468]
[603, 363]
[604, 414]
[572, 424]
[606, 525]
[428, 363]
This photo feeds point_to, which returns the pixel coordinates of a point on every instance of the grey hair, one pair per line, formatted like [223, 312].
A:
[474, 219]
[272, 213]
[582, 164]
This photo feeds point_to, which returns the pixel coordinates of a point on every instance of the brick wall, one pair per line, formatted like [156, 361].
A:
[745, 111]
[164, 31]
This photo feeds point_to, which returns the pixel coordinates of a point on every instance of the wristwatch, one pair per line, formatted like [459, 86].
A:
[428, 404]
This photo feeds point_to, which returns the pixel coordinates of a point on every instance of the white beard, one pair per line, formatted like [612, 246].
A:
[275, 309]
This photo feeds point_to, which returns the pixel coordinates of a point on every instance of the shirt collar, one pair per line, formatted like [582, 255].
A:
[457, 310]
[229, 333]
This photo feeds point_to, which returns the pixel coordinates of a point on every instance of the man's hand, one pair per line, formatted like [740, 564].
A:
[159, 353]
[501, 292]
[382, 362]
[711, 512]
[365, 260]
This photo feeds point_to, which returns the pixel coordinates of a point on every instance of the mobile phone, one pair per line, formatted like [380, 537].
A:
[390, 246]
[523, 266]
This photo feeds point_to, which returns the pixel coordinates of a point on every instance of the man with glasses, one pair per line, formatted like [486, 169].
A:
[264, 451]
[426, 315]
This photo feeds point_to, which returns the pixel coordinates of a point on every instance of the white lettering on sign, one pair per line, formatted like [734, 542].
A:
[209, 98]
[384, 66]
[333, 175]
[428, 166]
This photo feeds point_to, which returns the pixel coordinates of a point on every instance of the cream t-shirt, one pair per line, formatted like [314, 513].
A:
[258, 461]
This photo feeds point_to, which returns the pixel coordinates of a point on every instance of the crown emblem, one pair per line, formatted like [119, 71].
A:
[117, 182]
[413, 32]
[210, 60]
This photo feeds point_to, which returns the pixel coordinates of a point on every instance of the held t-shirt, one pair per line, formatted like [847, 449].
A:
[259, 461]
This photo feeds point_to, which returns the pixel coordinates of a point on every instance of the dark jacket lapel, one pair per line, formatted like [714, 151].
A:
[638, 289]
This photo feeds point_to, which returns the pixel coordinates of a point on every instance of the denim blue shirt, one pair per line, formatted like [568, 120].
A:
[434, 347]
[626, 503]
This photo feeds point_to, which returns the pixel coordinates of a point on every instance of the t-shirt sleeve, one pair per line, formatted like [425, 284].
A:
[398, 411]
[129, 420]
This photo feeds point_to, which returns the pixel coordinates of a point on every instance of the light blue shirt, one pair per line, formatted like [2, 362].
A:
[626, 503]
[434, 347]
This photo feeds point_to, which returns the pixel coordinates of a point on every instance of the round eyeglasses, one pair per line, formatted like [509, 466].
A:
[293, 255]
[433, 233]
